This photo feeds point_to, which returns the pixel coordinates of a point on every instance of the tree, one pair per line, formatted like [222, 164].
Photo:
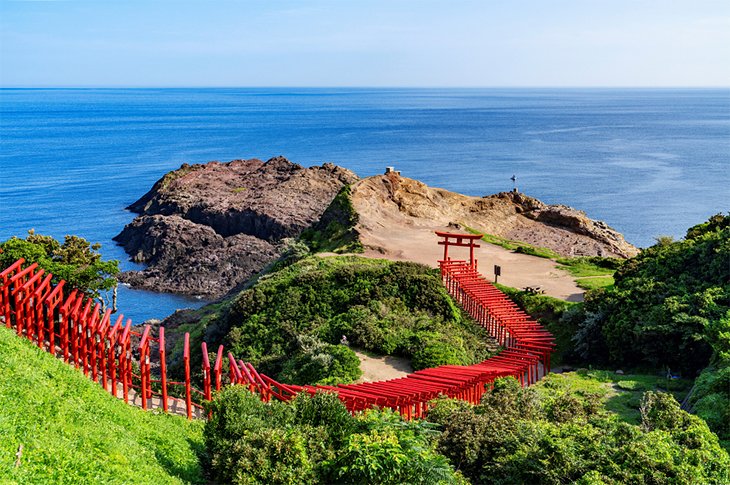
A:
[76, 261]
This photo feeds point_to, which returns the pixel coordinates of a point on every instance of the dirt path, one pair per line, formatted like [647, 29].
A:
[398, 217]
[401, 242]
[382, 368]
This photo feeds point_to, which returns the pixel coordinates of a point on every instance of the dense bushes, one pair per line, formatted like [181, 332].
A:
[75, 260]
[669, 309]
[380, 306]
[711, 399]
[335, 230]
[316, 440]
[321, 363]
[669, 306]
[517, 436]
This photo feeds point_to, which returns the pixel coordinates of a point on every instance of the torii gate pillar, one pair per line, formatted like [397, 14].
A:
[461, 240]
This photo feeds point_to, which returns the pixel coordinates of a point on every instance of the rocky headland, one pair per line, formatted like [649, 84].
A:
[205, 229]
[391, 201]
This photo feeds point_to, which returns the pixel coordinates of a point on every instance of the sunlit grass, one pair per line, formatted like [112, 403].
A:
[72, 431]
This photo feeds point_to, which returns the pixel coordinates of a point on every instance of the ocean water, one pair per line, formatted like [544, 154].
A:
[648, 162]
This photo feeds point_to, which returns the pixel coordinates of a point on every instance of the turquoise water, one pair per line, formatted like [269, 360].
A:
[648, 162]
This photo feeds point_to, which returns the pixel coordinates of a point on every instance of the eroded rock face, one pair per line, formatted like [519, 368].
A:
[394, 201]
[205, 229]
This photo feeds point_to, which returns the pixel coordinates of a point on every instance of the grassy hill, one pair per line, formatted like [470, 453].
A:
[293, 319]
[72, 431]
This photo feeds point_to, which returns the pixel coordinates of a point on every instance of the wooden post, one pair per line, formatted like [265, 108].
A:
[206, 375]
[125, 358]
[186, 359]
[163, 369]
[218, 368]
[144, 364]
[114, 354]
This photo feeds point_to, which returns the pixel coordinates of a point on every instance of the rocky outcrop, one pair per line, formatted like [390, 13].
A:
[205, 229]
[394, 201]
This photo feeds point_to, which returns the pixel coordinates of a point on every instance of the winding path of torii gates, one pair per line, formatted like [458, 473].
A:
[70, 325]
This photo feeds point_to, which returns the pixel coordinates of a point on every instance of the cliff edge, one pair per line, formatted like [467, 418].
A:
[206, 228]
[388, 202]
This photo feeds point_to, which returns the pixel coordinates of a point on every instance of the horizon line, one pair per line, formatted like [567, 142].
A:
[101, 86]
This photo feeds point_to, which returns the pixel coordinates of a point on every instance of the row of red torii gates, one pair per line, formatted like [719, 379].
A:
[71, 325]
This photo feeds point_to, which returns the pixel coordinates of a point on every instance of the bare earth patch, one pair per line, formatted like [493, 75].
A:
[382, 368]
[395, 232]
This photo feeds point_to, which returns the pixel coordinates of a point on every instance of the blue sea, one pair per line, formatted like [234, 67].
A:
[648, 162]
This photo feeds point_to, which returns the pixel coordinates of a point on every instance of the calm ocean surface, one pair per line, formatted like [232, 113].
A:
[648, 162]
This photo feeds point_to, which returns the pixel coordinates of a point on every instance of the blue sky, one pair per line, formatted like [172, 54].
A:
[365, 43]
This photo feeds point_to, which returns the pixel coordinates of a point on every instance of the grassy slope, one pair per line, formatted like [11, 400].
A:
[621, 394]
[588, 275]
[72, 431]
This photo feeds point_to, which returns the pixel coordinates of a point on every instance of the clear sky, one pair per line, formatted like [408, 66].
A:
[365, 43]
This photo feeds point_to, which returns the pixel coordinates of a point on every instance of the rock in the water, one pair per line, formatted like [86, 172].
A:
[204, 229]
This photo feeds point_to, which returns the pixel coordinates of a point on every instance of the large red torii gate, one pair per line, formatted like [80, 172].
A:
[461, 240]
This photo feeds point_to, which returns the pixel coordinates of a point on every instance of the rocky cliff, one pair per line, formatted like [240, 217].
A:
[388, 202]
[206, 228]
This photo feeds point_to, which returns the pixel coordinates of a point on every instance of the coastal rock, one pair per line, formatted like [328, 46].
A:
[205, 229]
[394, 201]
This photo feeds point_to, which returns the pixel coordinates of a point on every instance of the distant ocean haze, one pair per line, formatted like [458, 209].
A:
[648, 162]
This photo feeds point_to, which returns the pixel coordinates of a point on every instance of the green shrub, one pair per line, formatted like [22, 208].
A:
[75, 260]
[321, 363]
[389, 308]
[335, 230]
[711, 399]
[436, 353]
[316, 440]
[518, 436]
[669, 306]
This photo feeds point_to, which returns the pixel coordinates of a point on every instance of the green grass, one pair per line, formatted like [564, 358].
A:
[593, 282]
[335, 231]
[621, 394]
[516, 246]
[72, 431]
[589, 272]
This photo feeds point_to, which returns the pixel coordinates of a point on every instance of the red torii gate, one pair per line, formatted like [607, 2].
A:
[452, 239]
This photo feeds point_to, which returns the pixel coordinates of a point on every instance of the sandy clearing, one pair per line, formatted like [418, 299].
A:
[382, 368]
[400, 242]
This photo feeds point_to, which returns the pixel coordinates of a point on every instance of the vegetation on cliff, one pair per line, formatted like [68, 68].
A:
[76, 261]
[291, 322]
[72, 431]
[316, 440]
[521, 435]
[669, 306]
[335, 231]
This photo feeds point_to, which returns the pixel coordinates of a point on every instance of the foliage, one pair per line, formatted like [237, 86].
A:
[316, 440]
[711, 400]
[669, 306]
[72, 431]
[76, 260]
[321, 363]
[620, 394]
[590, 265]
[520, 436]
[389, 308]
[335, 231]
